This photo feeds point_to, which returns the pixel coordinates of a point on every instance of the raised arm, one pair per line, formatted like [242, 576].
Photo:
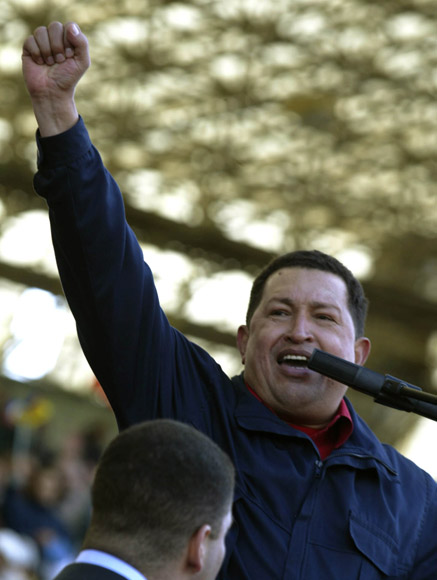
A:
[54, 59]
[139, 359]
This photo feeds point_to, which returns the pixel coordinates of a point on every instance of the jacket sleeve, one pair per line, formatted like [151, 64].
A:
[123, 331]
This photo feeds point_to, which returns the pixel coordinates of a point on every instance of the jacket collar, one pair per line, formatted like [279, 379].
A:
[362, 450]
[252, 415]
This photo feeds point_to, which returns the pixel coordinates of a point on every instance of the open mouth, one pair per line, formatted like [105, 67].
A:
[294, 360]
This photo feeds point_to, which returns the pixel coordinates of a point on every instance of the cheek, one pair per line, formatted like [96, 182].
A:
[220, 556]
[344, 349]
[261, 343]
[257, 349]
[265, 336]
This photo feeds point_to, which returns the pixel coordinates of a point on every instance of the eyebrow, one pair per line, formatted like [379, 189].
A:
[315, 304]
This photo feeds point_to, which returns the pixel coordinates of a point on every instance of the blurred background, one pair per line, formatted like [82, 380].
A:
[236, 129]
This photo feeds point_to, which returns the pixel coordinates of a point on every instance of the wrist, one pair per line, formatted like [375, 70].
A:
[55, 118]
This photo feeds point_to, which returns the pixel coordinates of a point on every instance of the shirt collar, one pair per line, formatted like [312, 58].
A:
[105, 560]
[330, 437]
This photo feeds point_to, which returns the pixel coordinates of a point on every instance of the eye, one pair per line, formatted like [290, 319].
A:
[278, 312]
[327, 317]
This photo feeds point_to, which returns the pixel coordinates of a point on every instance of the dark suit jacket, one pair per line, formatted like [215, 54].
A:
[81, 571]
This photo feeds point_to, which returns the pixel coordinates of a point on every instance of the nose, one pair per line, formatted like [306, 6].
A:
[300, 329]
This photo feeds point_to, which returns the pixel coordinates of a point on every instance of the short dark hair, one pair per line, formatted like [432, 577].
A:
[156, 484]
[316, 260]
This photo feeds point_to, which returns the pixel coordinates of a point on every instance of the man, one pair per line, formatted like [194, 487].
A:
[317, 495]
[161, 507]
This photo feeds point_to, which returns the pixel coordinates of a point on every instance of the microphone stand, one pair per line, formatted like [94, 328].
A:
[385, 389]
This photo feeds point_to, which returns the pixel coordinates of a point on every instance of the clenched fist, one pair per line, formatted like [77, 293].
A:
[54, 59]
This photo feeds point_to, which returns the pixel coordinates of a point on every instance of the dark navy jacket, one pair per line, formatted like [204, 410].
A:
[364, 513]
[87, 572]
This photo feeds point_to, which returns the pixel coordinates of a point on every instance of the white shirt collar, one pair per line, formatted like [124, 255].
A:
[110, 562]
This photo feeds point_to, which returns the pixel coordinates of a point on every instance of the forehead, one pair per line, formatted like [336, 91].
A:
[308, 285]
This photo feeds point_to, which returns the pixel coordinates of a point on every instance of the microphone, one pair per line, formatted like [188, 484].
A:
[386, 389]
[346, 372]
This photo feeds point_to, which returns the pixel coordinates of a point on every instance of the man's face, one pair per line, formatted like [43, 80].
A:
[301, 309]
[216, 550]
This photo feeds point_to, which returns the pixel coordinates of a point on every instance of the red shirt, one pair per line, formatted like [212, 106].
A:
[330, 437]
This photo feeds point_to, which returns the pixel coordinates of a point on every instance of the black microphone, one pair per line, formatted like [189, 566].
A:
[386, 389]
[346, 372]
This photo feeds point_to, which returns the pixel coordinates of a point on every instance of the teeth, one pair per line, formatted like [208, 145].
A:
[294, 358]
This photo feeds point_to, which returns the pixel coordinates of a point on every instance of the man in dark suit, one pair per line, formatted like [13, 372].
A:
[161, 499]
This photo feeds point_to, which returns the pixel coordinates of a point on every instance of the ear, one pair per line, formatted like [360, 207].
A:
[242, 338]
[362, 350]
[197, 548]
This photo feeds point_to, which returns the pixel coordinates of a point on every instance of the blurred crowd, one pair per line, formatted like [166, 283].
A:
[44, 494]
